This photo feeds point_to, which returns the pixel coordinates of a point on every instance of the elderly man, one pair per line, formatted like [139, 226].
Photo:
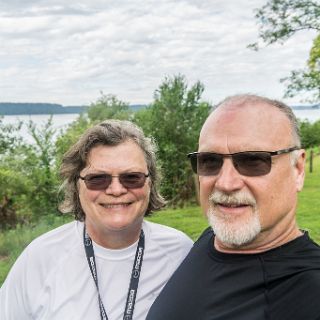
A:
[254, 262]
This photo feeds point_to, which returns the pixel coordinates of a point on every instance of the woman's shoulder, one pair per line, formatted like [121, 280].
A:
[60, 235]
[163, 231]
[55, 244]
[43, 261]
[167, 238]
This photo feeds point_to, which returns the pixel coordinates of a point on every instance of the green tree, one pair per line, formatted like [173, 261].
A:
[19, 189]
[70, 136]
[43, 148]
[28, 180]
[281, 19]
[174, 119]
[12, 183]
[108, 107]
[9, 138]
[310, 133]
[40, 157]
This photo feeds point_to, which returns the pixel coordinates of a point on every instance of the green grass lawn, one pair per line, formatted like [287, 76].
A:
[190, 220]
[309, 202]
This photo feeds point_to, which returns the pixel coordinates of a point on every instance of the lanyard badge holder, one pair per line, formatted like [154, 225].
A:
[135, 275]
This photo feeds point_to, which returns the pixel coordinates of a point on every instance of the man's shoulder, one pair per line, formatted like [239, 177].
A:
[208, 232]
[185, 294]
[300, 251]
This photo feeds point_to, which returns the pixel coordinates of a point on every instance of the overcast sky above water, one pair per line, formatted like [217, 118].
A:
[68, 52]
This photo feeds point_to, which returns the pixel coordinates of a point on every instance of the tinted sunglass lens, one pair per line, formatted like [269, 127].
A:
[103, 181]
[193, 161]
[132, 180]
[252, 164]
[209, 163]
[98, 182]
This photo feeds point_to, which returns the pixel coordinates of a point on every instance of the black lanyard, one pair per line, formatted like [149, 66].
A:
[135, 275]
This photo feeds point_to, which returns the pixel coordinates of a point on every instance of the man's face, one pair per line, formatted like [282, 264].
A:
[250, 212]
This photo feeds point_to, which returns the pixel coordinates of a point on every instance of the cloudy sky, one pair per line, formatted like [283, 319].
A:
[68, 52]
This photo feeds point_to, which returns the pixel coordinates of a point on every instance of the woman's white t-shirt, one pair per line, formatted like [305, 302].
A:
[51, 279]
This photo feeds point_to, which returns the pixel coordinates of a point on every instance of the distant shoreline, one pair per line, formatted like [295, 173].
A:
[11, 109]
[35, 114]
[316, 107]
[15, 109]
[39, 114]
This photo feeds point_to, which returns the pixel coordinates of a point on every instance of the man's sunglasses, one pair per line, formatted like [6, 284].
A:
[130, 180]
[247, 163]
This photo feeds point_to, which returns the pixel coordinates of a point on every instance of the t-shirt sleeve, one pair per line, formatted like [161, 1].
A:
[13, 296]
[186, 245]
[174, 243]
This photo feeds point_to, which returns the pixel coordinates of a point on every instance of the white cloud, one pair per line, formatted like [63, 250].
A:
[67, 53]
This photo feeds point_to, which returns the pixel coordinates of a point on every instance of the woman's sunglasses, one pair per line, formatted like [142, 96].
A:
[247, 163]
[130, 180]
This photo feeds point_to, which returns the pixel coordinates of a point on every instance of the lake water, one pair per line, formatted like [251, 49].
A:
[310, 114]
[61, 121]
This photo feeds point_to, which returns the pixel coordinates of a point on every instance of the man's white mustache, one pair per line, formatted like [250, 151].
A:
[235, 198]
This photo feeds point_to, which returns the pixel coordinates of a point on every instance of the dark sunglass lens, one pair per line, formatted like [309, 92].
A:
[252, 163]
[209, 164]
[132, 180]
[193, 161]
[98, 182]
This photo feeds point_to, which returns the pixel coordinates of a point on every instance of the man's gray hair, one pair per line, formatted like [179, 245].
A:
[108, 133]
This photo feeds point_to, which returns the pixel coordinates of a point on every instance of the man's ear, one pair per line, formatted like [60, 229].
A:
[299, 168]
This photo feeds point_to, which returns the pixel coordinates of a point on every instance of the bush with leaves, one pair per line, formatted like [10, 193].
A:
[28, 177]
[66, 139]
[108, 107]
[41, 158]
[310, 133]
[8, 137]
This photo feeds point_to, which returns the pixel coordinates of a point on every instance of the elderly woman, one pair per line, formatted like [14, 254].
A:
[110, 263]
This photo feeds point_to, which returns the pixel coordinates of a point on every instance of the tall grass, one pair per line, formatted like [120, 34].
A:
[189, 220]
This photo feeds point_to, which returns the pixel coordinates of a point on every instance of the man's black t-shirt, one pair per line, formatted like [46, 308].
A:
[280, 284]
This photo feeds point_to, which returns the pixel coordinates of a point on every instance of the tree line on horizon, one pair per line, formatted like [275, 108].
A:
[20, 108]
[29, 108]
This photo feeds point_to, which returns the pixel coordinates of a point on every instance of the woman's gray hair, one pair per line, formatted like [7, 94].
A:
[108, 133]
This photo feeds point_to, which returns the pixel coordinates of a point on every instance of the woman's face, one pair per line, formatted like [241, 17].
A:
[116, 208]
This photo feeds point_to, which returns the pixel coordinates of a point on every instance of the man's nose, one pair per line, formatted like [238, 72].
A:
[228, 178]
